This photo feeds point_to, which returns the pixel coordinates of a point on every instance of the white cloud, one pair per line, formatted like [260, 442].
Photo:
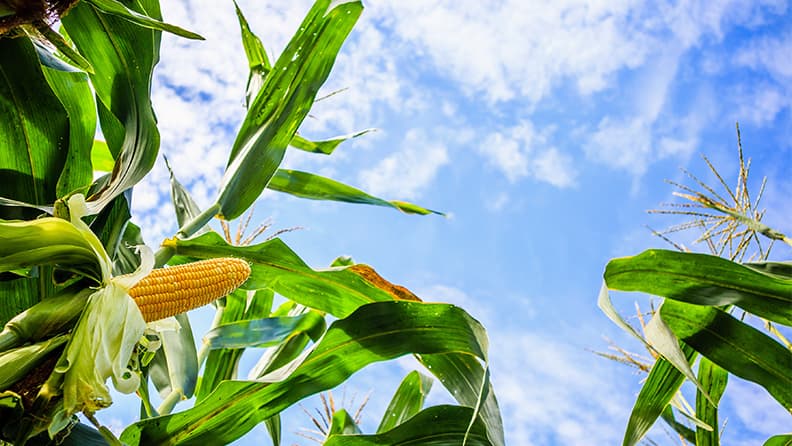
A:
[516, 49]
[755, 409]
[522, 151]
[408, 171]
[553, 393]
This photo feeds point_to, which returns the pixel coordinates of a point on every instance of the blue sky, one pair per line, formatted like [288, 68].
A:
[544, 131]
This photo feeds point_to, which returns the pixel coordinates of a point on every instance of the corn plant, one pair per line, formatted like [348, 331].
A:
[728, 314]
[84, 300]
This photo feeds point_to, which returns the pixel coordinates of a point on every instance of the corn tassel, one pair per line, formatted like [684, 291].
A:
[173, 290]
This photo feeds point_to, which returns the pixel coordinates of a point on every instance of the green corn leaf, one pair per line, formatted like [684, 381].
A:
[325, 147]
[280, 107]
[221, 363]
[315, 187]
[45, 319]
[118, 9]
[65, 52]
[376, 332]
[407, 401]
[703, 280]
[468, 382]
[17, 362]
[46, 241]
[186, 208]
[258, 62]
[258, 332]
[174, 369]
[123, 56]
[338, 291]
[342, 424]
[663, 382]
[681, 429]
[779, 440]
[436, 426]
[101, 158]
[34, 130]
[733, 345]
[77, 99]
[713, 379]
[277, 357]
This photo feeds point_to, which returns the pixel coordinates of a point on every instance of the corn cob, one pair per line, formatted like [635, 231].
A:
[173, 290]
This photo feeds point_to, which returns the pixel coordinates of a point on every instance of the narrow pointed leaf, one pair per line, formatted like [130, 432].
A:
[436, 426]
[703, 280]
[663, 382]
[407, 401]
[123, 56]
[338, 291]
[315, 187]
[376, 332]
[283, 102]
[733, 345]
[713, 379]
[325, 147]
[118, 9]
[254, 49]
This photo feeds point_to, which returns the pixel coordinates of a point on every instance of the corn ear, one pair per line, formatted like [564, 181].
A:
[45, 319]
[16, 363]
[173, 290]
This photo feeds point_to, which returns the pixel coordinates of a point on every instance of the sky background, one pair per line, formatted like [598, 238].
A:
[544, 131]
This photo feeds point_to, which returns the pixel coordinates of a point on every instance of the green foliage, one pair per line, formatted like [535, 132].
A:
[62, 276]
[701, 294]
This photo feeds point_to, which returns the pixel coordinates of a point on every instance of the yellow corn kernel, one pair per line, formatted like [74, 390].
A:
[173, 290]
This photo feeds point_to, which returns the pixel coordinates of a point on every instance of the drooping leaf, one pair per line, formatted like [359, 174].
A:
[703, 280]
[325, 147]
[283, 102]
[664, 342]
[315, 187]
[118, 9]
[663, 382]
[375, 332]
[468, 382]
[338, 291]
[733, 345]
[713, 379]
[436, 426]
[407, 401]
[123, 55]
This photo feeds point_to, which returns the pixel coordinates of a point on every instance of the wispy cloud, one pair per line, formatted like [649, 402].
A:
[522, 151]
[408, 171]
